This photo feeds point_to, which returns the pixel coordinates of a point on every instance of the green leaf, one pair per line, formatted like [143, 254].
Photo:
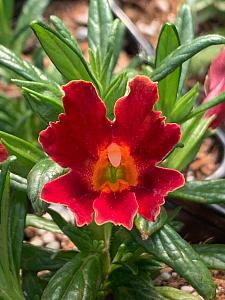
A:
[99, 26]
[26, 153]
[43, 172]
[130, 286]
[42, 223]
[64, 31]
[78, 279]
[47, 107]
[185, 28]
[24, 69]
[170, 248]
[212, 255]
[193, 133]
[184, 105]
[32, 9]
[65, 57]
[8, 9]
[115, 91]
[5, 33]
[147, 228]
[204, 192]
[183, 53]
[170, 293]
[36, 259]
[12, 216]
[32, 286]
[114, 46]
[168, 87]
[78, 236]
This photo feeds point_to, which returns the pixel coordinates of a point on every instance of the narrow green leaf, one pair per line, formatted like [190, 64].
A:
[5, 33]
[78, 236]
[42, 223]
[26, 70]
[8, 8]
[212, 255]
[64, 31]
[205, 192]
[32, 286]
[78, 279]
[170, 293]
[184, 105]
[36, 259]
[115, 91]
[32, 9]
[168, 86]
[43, 172]
[193, 132]
[99, 26]
[183, 53]
[46, 107]
[65, 57]
[147, 228]
[26, 153]
[170, 248]
[185, 28]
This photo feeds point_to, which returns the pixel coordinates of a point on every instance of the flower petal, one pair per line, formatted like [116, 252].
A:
[219, 110]
[71, 190]
[74, 140]
[119, 208]
[217, 70]
[155, 184]
[139, 126]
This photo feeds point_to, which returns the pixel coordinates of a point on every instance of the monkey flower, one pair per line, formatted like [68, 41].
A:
[215, 85]
[112, 164]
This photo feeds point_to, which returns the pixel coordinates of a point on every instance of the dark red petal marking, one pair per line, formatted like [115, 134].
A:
[71, 190]
[119, 208]
[74, 140]
[138, 126]
[155, 184]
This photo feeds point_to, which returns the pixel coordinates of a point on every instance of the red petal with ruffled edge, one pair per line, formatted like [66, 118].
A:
[216, 71]
[119, 208]
[71, 190]
[75, 139]
[155, 184]
[3, 153]
[140, 127]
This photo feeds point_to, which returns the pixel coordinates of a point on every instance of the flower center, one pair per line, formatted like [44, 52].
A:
[115, 170]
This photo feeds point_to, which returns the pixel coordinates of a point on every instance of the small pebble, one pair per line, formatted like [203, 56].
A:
[53, 245]
[187, 288]
[48, 237]
[174, 274]
[41, 231]
[36, 241]
[166, 276]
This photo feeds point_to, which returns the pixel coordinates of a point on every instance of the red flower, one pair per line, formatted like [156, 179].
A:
[3, 153]
[215, 85]
[112, 164]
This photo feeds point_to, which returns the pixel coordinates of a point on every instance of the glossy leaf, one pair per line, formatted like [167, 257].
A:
[32, 9]
[78, 279]
[205, 192]
[169, 247]
[78, 236]
[46, 107]
[44, 171]
[212, 255]
[99, 26]
[24, 69]
[184, 105]
[64, 31]
[12, 216]
[115, 91]
[170, 293]
[32, 286]
[147, 228]
[66, 58]
[26, 153]
[36, 259]
[185, 28]
[193, 133]
[168, 86]
[183, 53]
